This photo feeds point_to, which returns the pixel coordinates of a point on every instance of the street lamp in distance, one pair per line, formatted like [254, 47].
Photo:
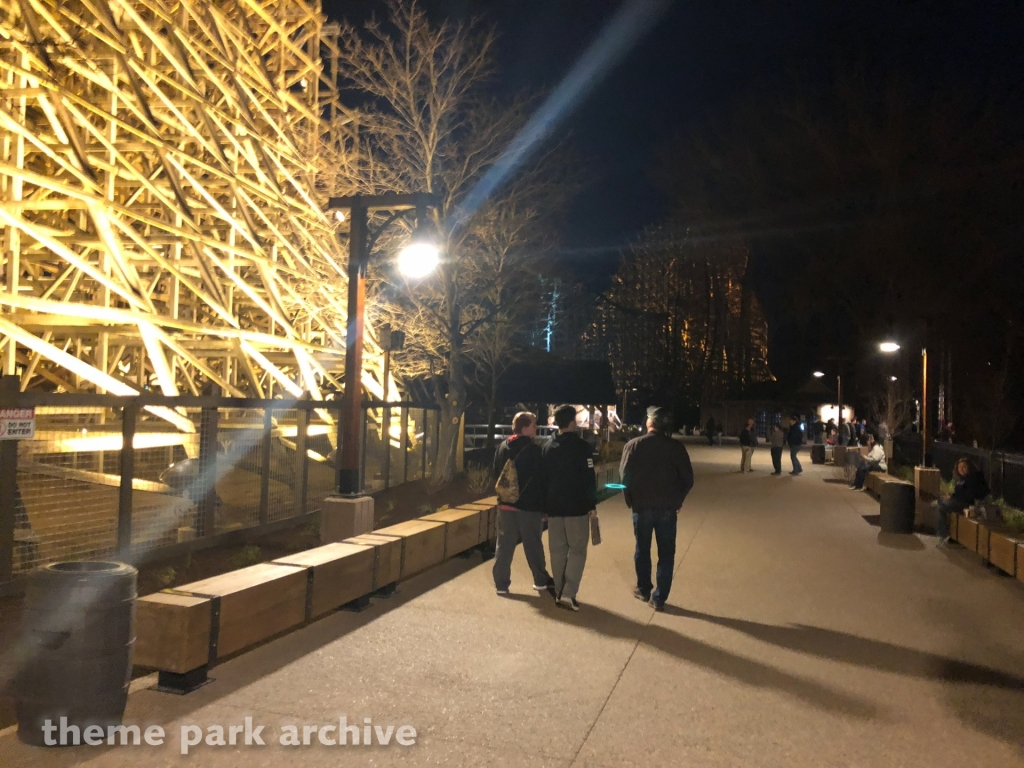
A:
[819, 374]
[889, 347]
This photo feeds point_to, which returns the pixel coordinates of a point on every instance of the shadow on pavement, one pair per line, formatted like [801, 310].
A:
[995, 705]
[740, 668]
[906, 541]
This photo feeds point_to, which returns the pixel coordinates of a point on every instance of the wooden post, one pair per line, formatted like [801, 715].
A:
[206, 480]
[348, 449]
[129, 416]
[265, 446]
[9, 389]
[404, 442]
[301, 460]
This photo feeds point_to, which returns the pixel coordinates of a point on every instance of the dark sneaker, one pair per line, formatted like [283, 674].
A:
[657, 605]
[548, 586]
[639, 595]
[501, 592]
[569, 603]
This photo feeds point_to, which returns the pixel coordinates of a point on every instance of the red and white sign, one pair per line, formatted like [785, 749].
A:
[17, 423]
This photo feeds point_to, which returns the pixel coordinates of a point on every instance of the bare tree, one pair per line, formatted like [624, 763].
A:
[425, 122]
[894, 407]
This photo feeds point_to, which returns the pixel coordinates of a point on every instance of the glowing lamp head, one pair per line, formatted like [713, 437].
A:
[819, 374]
[418, 258]
[888, 347]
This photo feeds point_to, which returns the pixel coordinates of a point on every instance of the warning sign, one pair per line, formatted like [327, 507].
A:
[17, 423]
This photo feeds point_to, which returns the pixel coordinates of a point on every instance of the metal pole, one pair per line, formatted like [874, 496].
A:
[9, 390]
[839, 425]
[266, 445]
[124, 503]
[204, 492]
[348, 473]
[924, 406]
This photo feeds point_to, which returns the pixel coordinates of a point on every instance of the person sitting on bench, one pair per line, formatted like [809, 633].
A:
[969, 486]
[873, 462]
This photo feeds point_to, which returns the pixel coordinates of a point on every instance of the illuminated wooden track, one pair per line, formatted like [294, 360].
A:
[159, 216]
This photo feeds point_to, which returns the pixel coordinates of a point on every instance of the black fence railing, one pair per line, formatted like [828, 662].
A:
[1004, 471]
[143, 477]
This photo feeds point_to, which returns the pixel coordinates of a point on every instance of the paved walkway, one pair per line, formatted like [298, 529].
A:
[796, 635]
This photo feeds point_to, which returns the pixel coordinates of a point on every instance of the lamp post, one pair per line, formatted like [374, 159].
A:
[417, 259]
[891, 347]
[839, 394]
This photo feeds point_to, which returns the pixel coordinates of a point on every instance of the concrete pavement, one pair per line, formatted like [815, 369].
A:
[796, 635]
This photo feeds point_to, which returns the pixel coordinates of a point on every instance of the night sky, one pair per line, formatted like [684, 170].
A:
[701, 57]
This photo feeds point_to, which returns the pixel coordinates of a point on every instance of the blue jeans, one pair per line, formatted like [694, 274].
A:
[793, 451]
[945, 507]
[662, 524]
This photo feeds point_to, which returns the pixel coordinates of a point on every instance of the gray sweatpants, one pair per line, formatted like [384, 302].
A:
[513, 528]
[568, 538]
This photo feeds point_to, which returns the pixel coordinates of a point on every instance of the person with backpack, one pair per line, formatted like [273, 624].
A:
[520, 488]
[570, 501]
[778, 442]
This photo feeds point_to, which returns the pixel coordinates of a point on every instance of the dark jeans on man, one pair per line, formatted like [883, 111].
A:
[793, 451]
[945, 507]
[662, 524]
[862, 472]
[777, 460]
[515, 527]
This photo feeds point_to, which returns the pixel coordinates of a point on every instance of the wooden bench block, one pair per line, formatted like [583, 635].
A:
[255, 603]
[984, 536]
[490, 501]
[489, 518]
[1020, 560]
[422, 544]
[928, 482]
[387, 557]
[1002, 553]
[462, 528]
[967, 533]
[342, 572]
[172, 632]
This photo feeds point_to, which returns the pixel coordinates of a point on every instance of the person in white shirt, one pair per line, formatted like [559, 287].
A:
[873, 462]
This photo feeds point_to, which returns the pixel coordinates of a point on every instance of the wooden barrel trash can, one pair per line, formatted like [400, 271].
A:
[74, 658]
[897, 508]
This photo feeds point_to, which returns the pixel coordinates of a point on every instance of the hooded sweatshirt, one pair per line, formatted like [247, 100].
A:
[527, 457]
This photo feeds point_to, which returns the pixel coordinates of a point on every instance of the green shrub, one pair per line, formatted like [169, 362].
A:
[248, 555]
[1012, 516]
[946, 487]
[903, 472]
[165, 578]
[478, 478]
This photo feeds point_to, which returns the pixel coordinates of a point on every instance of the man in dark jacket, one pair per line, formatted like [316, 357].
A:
[658, 476]
[522, 521]
[570, 500]
[795, 439]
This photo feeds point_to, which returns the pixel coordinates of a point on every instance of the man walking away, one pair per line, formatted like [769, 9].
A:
[873, 462]
[711, 427]
[778, 441]
[658, 476]
[748, 441]
[521, 520]
[795, 439]
[570, 501]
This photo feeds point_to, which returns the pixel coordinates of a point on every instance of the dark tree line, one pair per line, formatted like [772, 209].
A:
[874, 211]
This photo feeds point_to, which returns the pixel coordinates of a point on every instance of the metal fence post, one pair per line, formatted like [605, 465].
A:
[404, 443]
[9, 390]
[385, 438]
[129, 415]
[206, 491]
[301, 460]
[265, 446]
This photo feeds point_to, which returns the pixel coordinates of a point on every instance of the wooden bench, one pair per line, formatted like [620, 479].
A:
[994, 543]
[184, 632]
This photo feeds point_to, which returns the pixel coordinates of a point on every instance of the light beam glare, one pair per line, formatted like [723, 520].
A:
[630, 23]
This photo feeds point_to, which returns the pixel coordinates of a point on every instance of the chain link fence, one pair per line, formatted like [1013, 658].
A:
[198, 469]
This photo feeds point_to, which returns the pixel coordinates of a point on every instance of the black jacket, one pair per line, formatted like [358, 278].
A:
[569, 480]
[527, 457]
[656, 471]
[795, 436]
[748, 438]
[971, 488]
